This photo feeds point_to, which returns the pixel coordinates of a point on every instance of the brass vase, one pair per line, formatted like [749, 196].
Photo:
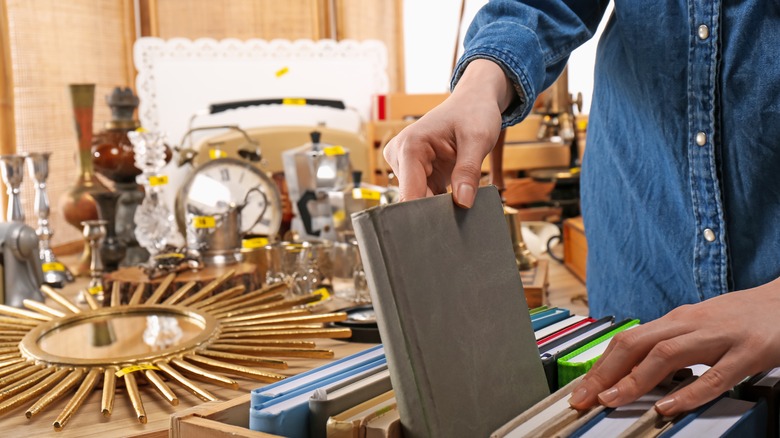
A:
[77, 204]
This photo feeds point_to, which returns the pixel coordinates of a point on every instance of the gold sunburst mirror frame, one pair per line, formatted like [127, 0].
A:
[222, 332]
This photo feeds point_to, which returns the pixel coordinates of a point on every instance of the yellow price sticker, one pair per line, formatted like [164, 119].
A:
[332, 151]
[217, 153]
[324, 296]
[169, 255]
[134, 368]
[293, 101]
[361, 193]
[158, 180]
[282, 71]
[339, 216]
[254, 243]
[204, 222]
[94, 290]
[53, 266]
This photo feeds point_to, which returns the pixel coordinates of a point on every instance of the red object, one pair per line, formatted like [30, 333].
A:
[562, 332]
[380, 111]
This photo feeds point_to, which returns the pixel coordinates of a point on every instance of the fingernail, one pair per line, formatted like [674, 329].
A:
[465, 195]
[665, 405]
[608, 396]
[578, 396]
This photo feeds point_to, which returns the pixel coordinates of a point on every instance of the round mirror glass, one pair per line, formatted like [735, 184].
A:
[110, 336]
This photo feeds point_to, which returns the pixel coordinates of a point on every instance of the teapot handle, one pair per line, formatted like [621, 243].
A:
[262, 212]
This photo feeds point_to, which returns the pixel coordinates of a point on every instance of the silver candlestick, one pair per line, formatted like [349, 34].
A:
[54, 272]
[12, 167]
[94, 231]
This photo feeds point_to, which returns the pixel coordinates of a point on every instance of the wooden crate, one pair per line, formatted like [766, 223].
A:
[535, 282]
[575, 247]
[217, 419]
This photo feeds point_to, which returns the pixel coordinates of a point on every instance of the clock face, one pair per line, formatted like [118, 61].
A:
[216, 186]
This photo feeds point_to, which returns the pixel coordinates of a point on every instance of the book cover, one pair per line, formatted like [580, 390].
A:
[452, 314]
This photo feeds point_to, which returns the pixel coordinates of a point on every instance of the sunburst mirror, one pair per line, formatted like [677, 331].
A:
[185, 339]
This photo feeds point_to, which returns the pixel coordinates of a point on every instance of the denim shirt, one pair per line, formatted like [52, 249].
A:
[681, 174]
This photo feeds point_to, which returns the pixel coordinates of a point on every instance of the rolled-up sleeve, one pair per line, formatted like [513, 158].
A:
[531, 40]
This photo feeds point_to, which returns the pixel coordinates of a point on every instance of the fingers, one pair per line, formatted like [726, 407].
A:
[407, 162]
[665, 358]
[626, 350]
[468, 168]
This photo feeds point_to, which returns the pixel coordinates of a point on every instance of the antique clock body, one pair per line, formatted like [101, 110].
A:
[222, 201]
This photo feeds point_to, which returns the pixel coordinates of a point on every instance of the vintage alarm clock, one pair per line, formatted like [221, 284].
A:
[221, 202]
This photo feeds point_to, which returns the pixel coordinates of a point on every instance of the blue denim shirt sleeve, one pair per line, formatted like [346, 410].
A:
[531, 40]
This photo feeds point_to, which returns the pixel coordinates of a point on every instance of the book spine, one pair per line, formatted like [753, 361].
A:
[380, 286]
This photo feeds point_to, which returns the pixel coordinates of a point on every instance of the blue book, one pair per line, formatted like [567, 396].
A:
[288, 415]
[726, 417]
[549, 317]
[311, 377]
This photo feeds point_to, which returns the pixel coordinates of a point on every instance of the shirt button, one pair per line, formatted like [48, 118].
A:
[704, 32]
[701, 138]
[709, 235]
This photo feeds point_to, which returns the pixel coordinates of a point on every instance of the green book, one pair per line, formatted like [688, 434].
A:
[536, 310]
[581, 360]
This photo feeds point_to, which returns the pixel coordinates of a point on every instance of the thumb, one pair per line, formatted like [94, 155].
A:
[467, 171]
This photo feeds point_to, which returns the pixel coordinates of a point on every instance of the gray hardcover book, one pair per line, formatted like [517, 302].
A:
[452, 314]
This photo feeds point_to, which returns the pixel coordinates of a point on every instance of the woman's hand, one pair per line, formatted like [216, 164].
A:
[737, 334]
[447, 145]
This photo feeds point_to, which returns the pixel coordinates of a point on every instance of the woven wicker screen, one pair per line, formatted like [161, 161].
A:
[242, 19]
[54, 43]
[380, 20]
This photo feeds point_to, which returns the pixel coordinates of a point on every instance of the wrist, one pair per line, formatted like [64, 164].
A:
[485, 80]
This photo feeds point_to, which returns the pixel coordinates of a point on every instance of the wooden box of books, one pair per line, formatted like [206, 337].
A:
[216, 419]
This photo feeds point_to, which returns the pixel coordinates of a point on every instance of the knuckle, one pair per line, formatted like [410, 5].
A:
[666, 350]
[714, 379]
[469, 167]
[625, 340]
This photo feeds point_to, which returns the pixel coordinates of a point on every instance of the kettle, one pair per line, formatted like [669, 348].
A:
[216, 236]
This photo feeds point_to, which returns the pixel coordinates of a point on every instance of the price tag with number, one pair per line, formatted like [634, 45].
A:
[159, 180]
[204, 222]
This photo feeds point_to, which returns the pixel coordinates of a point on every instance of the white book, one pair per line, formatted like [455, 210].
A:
[558, 326]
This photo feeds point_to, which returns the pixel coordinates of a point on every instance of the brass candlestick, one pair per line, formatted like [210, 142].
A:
[94, 232]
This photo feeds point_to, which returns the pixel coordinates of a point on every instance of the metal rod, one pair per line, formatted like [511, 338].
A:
[116, 297]
[179, 294]
[109, 391]
[33, 392]
[75, 402]
[245, 359]
[230, 368]
[224, 295]
[269, 315]
[208, 288]
[25, 383]
[274, 351]
[198, 373]
[135, 397]
[39, 307]
[21, 313]
[322, 317]
[161, 288]
[13, 366]
[255, 312]
[268, 328]
[188, 384]
[61, 389]
[269, 343]
[19, 375]
[59, 299]
[277, 289]
[327, 333]
[6, 350]
[90, 299]
[135, 299]
[161, 387]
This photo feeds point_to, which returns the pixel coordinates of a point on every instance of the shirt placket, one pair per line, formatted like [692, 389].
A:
[709, 270]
